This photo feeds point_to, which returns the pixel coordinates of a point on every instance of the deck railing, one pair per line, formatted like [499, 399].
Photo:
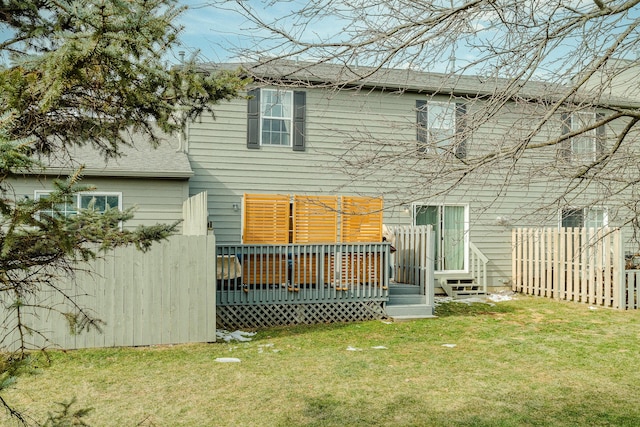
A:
[302, 273]
[414, 256]
[478, 266]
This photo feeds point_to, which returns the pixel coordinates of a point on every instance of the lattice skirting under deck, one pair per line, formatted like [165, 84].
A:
[262, 316]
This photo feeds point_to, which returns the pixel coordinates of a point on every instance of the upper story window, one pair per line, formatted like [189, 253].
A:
[440, 127]
[97, 201]
[276, 109]
[276, 118]
[583, 148]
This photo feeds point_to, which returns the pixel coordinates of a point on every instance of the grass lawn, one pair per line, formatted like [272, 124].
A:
[525, 362]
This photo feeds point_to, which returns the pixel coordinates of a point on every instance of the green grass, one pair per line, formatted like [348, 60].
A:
[527, 362]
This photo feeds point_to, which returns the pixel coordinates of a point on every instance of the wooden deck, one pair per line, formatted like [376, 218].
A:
[266, 285]
[267, 274]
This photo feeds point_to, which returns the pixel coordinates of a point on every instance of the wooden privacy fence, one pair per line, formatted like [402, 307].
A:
[632, 295]
[574, 264]
[164, 296]
[194, 215]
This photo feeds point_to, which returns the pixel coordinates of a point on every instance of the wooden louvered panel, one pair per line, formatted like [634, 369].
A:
[364, 268]
[361, 219]
[265, 269]
[305, 269]
[354, 269]
[266, 218]
[315, 219]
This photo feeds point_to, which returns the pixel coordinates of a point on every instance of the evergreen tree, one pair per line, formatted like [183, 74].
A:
[76, 73]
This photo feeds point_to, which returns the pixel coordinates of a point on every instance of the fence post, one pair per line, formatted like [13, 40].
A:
[619, 277]
[428, 264]
[195, 215]
[514, 260]
[556, 264]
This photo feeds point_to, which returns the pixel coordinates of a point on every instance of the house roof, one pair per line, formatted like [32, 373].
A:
[297, 73]
[140, 159]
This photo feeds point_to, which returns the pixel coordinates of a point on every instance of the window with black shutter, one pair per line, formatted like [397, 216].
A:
[276, 118]
[441, 128]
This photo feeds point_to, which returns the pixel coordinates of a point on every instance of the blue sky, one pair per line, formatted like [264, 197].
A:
[207, 30]
[215, 31]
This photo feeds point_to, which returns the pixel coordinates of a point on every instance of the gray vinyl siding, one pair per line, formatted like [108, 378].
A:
[225, 168]
[156, 200]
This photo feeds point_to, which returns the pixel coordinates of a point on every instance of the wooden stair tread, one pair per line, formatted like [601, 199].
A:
[462, 287]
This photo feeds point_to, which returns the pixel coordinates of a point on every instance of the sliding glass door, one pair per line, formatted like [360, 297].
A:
[450, 226]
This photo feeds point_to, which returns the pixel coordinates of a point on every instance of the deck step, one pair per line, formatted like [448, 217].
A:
[403, 294]
[407, 312]
[406, 303]
[462, 288]
[405, 299]
[403, 289]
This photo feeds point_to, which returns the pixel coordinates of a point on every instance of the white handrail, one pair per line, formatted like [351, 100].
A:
[478, 266]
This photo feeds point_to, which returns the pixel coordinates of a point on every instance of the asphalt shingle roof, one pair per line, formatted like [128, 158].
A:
[297, 73]
[140, 159]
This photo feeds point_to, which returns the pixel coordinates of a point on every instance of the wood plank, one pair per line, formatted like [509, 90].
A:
[607, 282]
[546, 240]
[266, 218]
[591, 268]
[536, 262]
[195, 215]
[598, 244]
[576, 266]
[193, 315]
[305, 269]
[181, 318]
[584, 262]
[315, 219]
[527, 254]
[549, 262]
[556, 263]
[170, 260]
[568, 263]
[514, 260]
[147, 330]
[210, 283]
[637, 289]
[264, 269]
[361, 219]
[619, 288]
[136, 304]
[520, 249]
[130, 299]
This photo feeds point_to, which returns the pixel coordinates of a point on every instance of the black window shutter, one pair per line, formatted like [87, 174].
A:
[253, 119]
[299, 116]
[565, 146]
[421, 126]
[460, 136]
[601, 137]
